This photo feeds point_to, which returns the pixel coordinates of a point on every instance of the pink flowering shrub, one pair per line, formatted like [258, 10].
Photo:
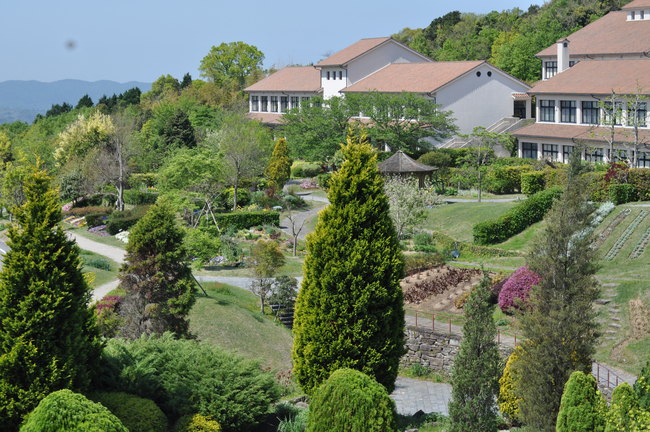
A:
[517, 287]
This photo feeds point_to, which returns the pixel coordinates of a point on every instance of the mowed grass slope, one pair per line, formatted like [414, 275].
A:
[230, 318]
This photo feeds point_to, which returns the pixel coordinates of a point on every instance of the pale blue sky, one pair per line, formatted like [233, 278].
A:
[125, 40]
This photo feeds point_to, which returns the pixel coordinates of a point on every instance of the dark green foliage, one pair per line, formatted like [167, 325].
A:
[138, 197]
[244, 220]
[517, 218]
[640, 178]
[624, 404]
[123, 220]
[476, 368]
[642, 387]
[581, 408]
[48, 339]
[71, 185]
[228, 197]
[57, 109]
[417, 263]
[186, 81]
[196, 423]
[178, 132]
[622, 193]
[96, 219]
[136, 414]
[505, 179]
[301, 169]
[559, 327]
[84, 101]
[65, 411]
[324, 180]
[349, 312]
[279, 169]
[351, 401]
[186, 377]
[532, 182]
[158, 282]
[97, 262]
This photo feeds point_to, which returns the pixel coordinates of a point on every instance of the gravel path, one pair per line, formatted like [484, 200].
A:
[112, 252]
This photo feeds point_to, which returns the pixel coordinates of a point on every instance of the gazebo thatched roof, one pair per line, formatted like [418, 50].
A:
[400, 163]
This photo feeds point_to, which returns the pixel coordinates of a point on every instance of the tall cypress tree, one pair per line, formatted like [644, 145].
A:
[48, 338]
[560, 323]
[279, 169]
[349, 312]
[156, 277]
[476, 368]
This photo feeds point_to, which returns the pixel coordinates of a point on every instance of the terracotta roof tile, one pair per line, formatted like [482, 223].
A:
[577, 133]
[413, 77]
[599, 77]
[292, 78]
[637, 4]
[353, 51]
[612, 34]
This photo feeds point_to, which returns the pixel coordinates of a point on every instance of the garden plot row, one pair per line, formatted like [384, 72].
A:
[625, 236]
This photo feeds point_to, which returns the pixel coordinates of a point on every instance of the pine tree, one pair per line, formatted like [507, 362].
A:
[476, 369]
[349, 312]
[582, 407]
[156, 277]
[279, 169]
[560, 323]
[48, 339]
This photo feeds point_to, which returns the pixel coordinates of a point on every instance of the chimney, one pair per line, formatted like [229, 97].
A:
[562, 55]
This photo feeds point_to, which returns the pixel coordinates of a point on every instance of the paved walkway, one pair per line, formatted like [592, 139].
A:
[412, 395]
[483, 200]
[112, 252]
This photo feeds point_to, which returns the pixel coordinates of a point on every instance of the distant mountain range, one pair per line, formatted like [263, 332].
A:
[23, 100]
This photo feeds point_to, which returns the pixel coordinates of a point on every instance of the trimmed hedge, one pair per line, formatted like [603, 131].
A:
[138, 197]
[136, 413]
[505, 179]
[622, 193]
[640, 178]
[123, 220]
[301, 169]
[533, 182]
[89, 210]
[244, 220]
[516, 219]
[447, 243]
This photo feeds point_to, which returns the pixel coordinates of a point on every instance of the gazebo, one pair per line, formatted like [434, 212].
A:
[401, 164]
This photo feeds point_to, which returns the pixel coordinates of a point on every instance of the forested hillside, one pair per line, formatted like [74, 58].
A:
[508, 39]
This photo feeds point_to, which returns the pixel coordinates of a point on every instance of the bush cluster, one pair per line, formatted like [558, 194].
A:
[501, 179]
[508, 400]
[301, 169]
[123, 220]
[138, 197]
[244, 220]
[96, 219]
[515, 290]
[136, 413]
[324, 180]
[417, 263]
[89, 210]
[447, 243]
[517, 218]
[227, 197]
[622, 193]
[533, 182]
[197, 423]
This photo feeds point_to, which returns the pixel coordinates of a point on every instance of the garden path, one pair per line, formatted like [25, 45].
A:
[302, 216]
[412, 395]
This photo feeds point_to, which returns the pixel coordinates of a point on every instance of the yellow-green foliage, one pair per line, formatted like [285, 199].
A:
[82, 135]
[136, 413]
[642, 387]
[624, 404]
[582, 405]
[351, 401]
[197, 423]
[66, 411]
[279, 169]
[508, 401]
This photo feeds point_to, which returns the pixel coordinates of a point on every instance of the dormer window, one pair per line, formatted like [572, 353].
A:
[550, 69]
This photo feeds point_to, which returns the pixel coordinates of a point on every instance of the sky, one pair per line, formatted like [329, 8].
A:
[140, 40]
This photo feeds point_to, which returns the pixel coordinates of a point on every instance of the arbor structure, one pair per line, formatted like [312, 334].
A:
[231, 63]
[349, 312]
[476, 369]
[48, 339]
[559, 325]
[158, 282]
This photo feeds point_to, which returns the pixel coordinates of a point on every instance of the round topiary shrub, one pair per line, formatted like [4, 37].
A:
[351, 401]
[67, 411]
[582, 407]
[196, 423]
[136, 413]
[515, 290]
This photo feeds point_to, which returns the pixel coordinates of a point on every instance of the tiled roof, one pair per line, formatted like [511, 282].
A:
[413, 77]
[599, 77]
[578, 133]
[612, 34]
[353, 51]
[292, 78]
[637, 4]
[266, 118]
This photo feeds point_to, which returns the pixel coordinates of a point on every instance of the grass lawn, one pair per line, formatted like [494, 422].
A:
[82, 231]
[230, 318]
[292, 267]
[105, 269]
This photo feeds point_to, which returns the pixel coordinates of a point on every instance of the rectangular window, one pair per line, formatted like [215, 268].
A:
[633, 15]
[590, 112]
[265, 104]
[618, 155]
[551, 152]
[641, 15]
[613, 114]
[573, 62]
[566, 153]
[295, 102]
[340, 75]
[547, 110]
[284, 103]
[568, 111]
[255, 103]
[641, 114]
[328, 75]
[529, 150]
[550, 69]
[594, 155]
[643, 161]
[274, 104]
[304, 100]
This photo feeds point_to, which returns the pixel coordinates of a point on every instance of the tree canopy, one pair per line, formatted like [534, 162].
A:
[230, 63]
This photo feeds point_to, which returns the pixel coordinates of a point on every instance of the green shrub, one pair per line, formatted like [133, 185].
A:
[138, 197]
[596, 185]
[423, 242]
[67, 411]
[96, 219]
[196, 423]
[516, 219]
[301, 169]
[437, 158]
[533, 182]
[142, 180]
[228, 197]
[97, 262]
[447, 244]
[244, 220]
[351, 401]
[185, 377]
[417, 263]
[324, 180]
[298, 423]
[624, 405]
[582, 406]
[89, 210]
[642, 387]
[505, 179]
[555, 177]
[508, 401]
[622, 193]
[123, 220]
[640, 178]
[136, 413]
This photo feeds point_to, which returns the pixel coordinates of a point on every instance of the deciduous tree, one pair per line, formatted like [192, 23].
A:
[266, 258]
[231, 63]
[408, 203]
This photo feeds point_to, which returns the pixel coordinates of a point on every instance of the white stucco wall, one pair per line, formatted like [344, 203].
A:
[480, 101]
[333, 86]
[378, 58]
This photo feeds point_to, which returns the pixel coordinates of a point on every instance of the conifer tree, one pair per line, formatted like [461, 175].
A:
[582, 407]
[48, 338]
[156, 277]
[349, 312]
[560, 323]
[476, 369]
[279, 169]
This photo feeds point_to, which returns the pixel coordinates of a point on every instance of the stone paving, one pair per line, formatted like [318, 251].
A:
[412, 395]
